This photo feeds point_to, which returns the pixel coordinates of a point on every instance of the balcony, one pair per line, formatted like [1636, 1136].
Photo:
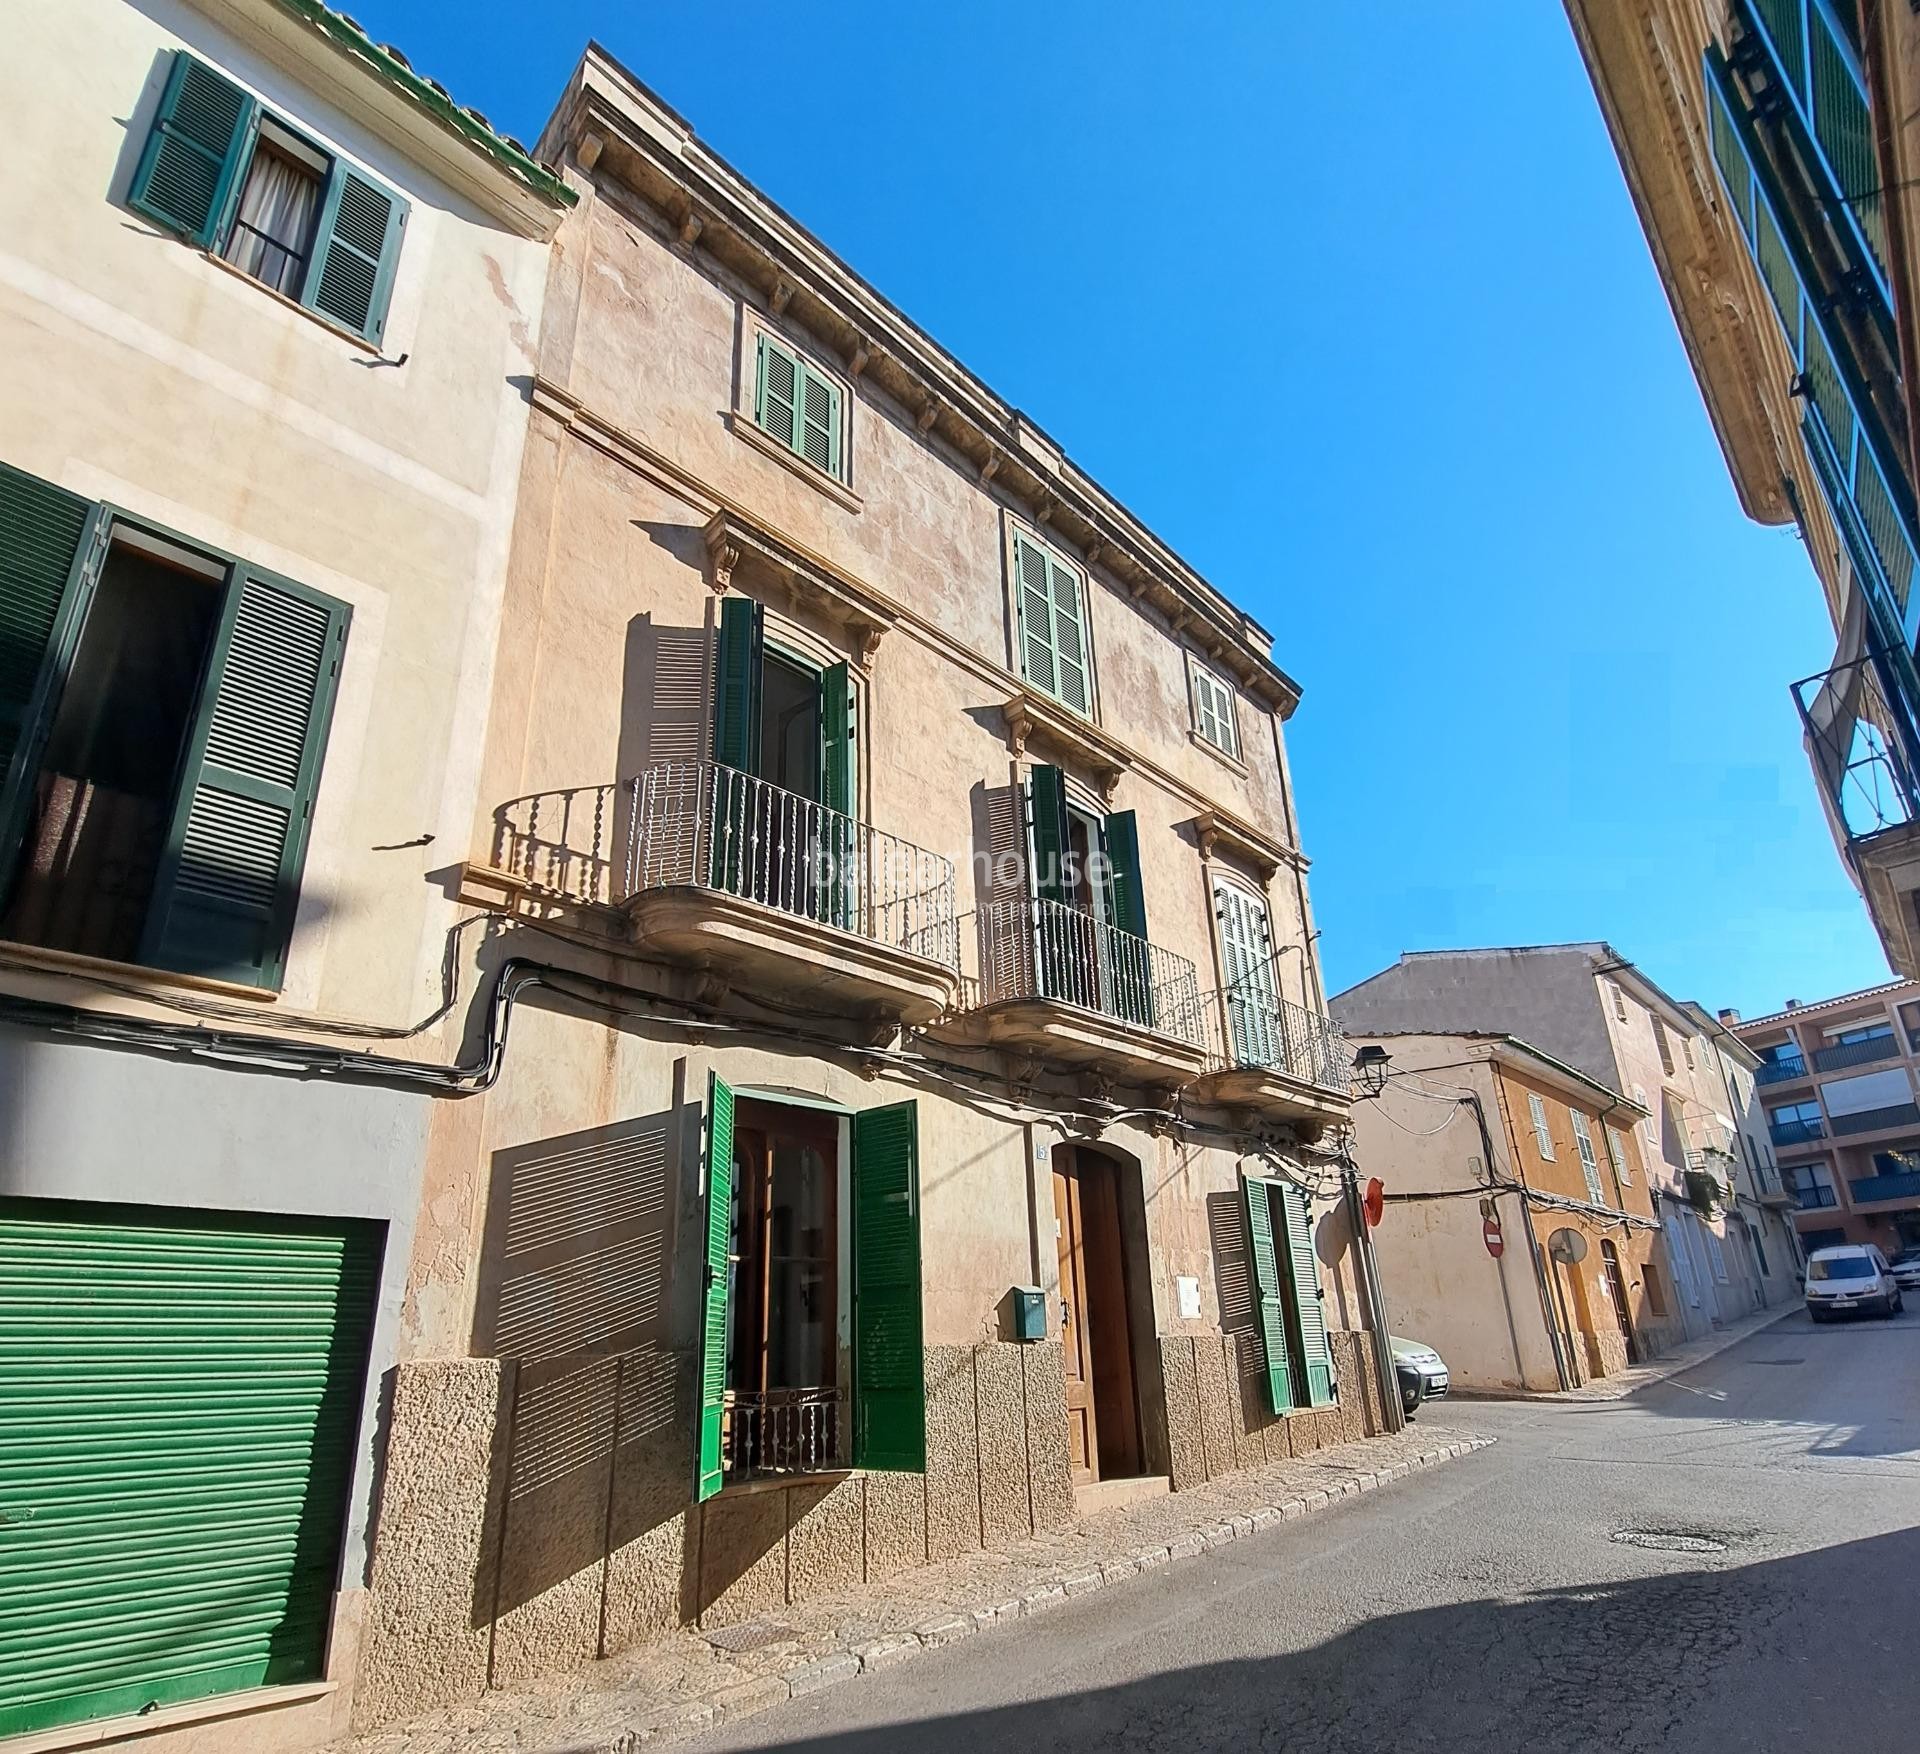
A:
[1780, 1071]
[1060, 984]
[1274, 1059]
[1876, 1120]
[770, 892]
[1796, 1132]
[1857, 1053]
[1879, 1189]
[1816, 1199]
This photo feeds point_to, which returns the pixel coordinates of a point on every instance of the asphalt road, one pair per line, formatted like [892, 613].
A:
[1489, 1605]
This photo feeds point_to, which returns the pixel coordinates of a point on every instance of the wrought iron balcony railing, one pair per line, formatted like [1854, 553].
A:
[1271, 1034]
[1032, 949]
[1796, 1132]
[1857, 753]
[1857, 1053]
[780, 1431]
[1814, 1199]
[700, 825]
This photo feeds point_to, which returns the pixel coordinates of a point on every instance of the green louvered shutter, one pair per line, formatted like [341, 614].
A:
[1266, 1291]
[1316, 1359]
[717, 1168]
[229, 881]
[1069, 635]
[1246, 956]
[820, 421]
[50, 546]
[1047, 809]
[180, 1394]
[776, 398]
[1129, 974]
[356, 249]
[839, 882]
[736, 687]
[889, 1366]
[1050, 604]
[193, 153]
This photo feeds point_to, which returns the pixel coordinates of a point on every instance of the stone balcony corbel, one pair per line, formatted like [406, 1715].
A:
[747, 556]
[1033, 719]
[1219, 831]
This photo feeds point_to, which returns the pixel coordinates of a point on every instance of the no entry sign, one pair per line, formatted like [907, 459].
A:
[1490, 1235]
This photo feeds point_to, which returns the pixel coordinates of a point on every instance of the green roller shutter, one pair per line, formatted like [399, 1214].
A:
[889, 1366]
[228, 883]
[356, 247]
[1266, 1291]
[193, 154]
[179, 1398]
[717, 1167]
[50, 546]
[1316, 1360]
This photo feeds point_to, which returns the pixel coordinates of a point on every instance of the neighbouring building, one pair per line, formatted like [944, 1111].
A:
[268, 302]
[1772, 148]
[1838, 1081]
[905, 1109]
[1490, 1151]
[1588, 1006]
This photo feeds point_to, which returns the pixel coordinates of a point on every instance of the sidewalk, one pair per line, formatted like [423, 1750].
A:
[693, 1681]
[1615, 1388]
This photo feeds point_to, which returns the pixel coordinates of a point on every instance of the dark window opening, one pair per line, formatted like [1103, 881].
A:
[790, 725]
[1656, 1297]
[273, 228]
[784, 1375]
[103, 797]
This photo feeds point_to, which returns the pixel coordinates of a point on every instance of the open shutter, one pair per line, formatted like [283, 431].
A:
[51, 542]
[1047, 811]
[230, 877]
[1316, 1358]
[889, 1367]
[717, 1174]
[736, 688]
[1129, 970]
[356, 248]
[776, 397]
[1033, 601]
[840, 868]
[1266, 1291]
[1129, 902]
[819, 421]
[193, 153]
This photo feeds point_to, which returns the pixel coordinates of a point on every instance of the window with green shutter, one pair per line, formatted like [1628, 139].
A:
[163, 713]
[1050, 612]
[798, 404]
[1213, 709]
[889, 1365]
[1265, 1222]
[234, 178]
[1313, 1358]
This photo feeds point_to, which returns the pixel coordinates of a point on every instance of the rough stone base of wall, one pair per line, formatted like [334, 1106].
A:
[533, 1519]
[1217, 1418]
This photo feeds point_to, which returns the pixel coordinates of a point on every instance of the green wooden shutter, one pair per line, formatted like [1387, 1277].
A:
[51, 543]
[1069, 635]
[193, 154]
[889, 1365]
[1266, 1291]
[709, 1473]
[1129, 972]
[776, 397]
[1033, 601]
[736, 688]
[1316, 1358]
[1124, 887]
[839, 883]
[180, 1395]
[1047, 813]
[819, 421]
[1246, 956]
[229, 880]
[356, 249]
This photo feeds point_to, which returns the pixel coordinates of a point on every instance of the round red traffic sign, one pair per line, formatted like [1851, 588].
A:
[1490, 1235]
[1375, 1203]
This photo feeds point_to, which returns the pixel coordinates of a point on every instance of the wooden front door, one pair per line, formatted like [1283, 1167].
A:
[1103, 1423]
[1617, 1296]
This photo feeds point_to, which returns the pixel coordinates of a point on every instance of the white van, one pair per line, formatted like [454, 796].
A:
[1850, 1278]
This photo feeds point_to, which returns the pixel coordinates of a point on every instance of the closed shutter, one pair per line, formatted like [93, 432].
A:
[776, 403]
[1050, 607]
[1589, 1164]
[50, 543]
[1316, 1358]
[228, 883]
[717, 1172]
[194, 151]
[355, 252]
[1213, 711]
[179, 1398]
[819, 421]
[1266, 1290]
[1246, 957]
[889, 1366]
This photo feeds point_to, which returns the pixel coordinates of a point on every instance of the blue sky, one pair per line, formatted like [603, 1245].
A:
[1358, 316]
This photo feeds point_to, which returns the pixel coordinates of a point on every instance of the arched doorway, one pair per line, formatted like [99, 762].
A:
[1616, 1285]
[1096, 1328]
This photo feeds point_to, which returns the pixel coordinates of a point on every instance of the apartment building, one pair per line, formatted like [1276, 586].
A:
[1586, 1005]
[1838, 1081]
[911, 1127]
[264, 294]
[1493, 1154]
[1772, 148]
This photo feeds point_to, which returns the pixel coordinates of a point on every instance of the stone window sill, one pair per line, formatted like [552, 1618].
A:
[742, 426]
[775, 1483]
[38, 957]
[1220, 755]
[318, 319]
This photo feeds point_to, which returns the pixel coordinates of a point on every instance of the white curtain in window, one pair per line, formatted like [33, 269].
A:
[270, 233]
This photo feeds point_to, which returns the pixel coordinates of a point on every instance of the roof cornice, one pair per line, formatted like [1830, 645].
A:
[609, 124]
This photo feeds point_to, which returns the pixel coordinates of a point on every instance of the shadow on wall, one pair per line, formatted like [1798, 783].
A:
[1478, 1674]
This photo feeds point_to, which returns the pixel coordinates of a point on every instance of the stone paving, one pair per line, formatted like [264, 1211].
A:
[693, 1680]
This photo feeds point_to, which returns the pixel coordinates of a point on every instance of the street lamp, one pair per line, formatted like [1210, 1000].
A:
[1370, 1069]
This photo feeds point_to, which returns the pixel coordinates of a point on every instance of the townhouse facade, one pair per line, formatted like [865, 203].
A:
[1492, 1154]
[264, 308]
[1837, 1079]
[1771, 147]
[1589, 1006]
[908, 1119]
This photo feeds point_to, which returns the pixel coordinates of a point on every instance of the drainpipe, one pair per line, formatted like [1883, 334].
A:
[1368, 1267]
